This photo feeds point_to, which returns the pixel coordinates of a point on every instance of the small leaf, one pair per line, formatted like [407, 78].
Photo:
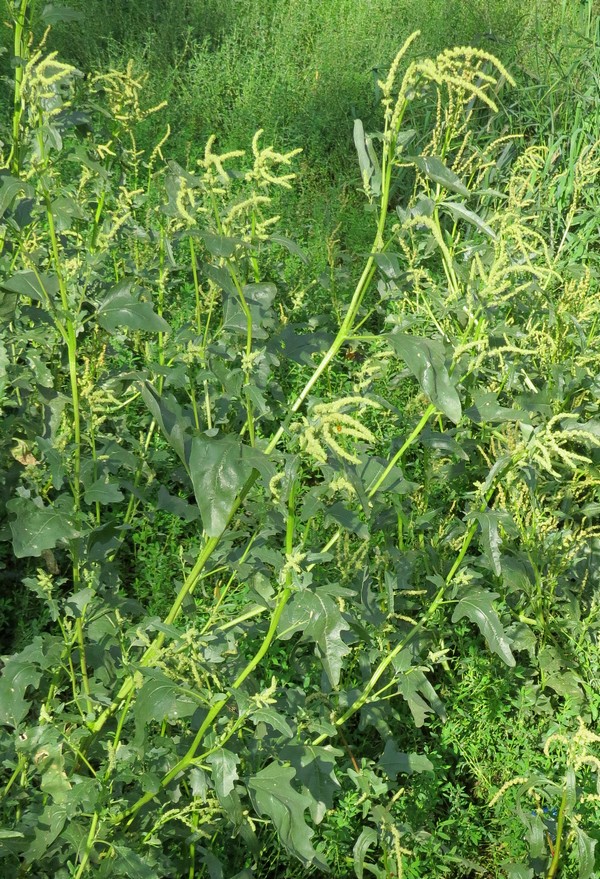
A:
[462, 213]
[476, 604]
[585, 848]
[274, 796]
[120, 308]
[435, 169]
[367, 838]
[289, 245]
[426, 360]
[17, 677]
[52, 14]
[224, 771]
[490, 538]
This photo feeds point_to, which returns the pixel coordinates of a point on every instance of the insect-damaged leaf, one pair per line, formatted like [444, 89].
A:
[318, 617]
[435, 169]
[476, 604]
[36, 528]
[426, 360]
[120, 308]
[273, 795]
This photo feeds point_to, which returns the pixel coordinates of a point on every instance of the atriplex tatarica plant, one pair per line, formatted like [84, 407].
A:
[341, 524]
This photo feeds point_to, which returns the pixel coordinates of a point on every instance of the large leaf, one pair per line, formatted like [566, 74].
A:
[318, 617]
[37, 528]
[169, 416]
[426, 360]
[219, 468]
[120, 308]
[9, 188]
[274, 796]
[477, 605]
[435, 169]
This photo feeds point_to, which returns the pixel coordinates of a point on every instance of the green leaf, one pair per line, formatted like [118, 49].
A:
[221, 246]
[314, 767]
[426, 360]
[476, 605]
[103, 492]
[347, 519]
[18, 675]
[36, 528]
[490, 537]
[128, 863]
[224, 771]
[49, 825]
[518, 871]
[367, 838]
[393, 761]
[435, 169]
[52, 14]
[585, 849]
[367, 160]
[36, 285]
[120, 308]
[420, 696]
[318, 617]
[170, 418]
[274, 796]
[219, 471]
[10, 187]
[459, 211]
[274, 719]
[160, 698]
[289, 245]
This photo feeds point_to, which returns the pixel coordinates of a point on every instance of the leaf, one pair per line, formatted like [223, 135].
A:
[49, 825]
[585, 848]
[274, 719]
[103, 492]
[435, 169]
[159, 699]
[273, 795]
[170, 418]
[177, 506]
[128, 863]
[518, 871]
[367, 838]
[52, 14]
[219, 471]
[37, 528]
[314, 767]
[490, 538]
[476, 605]
[462, 213]
[318, 617]
[367, 160]
[224, 771]
[18, 675]
[347, 519]
[36, 285]
[10, 187]
[393, 761]
[289, 245]
[120, 308]
[420, 696]
[425, 359]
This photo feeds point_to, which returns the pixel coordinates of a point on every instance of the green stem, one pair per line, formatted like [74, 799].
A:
[20, 50]
[88, 847]
[560, 826]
